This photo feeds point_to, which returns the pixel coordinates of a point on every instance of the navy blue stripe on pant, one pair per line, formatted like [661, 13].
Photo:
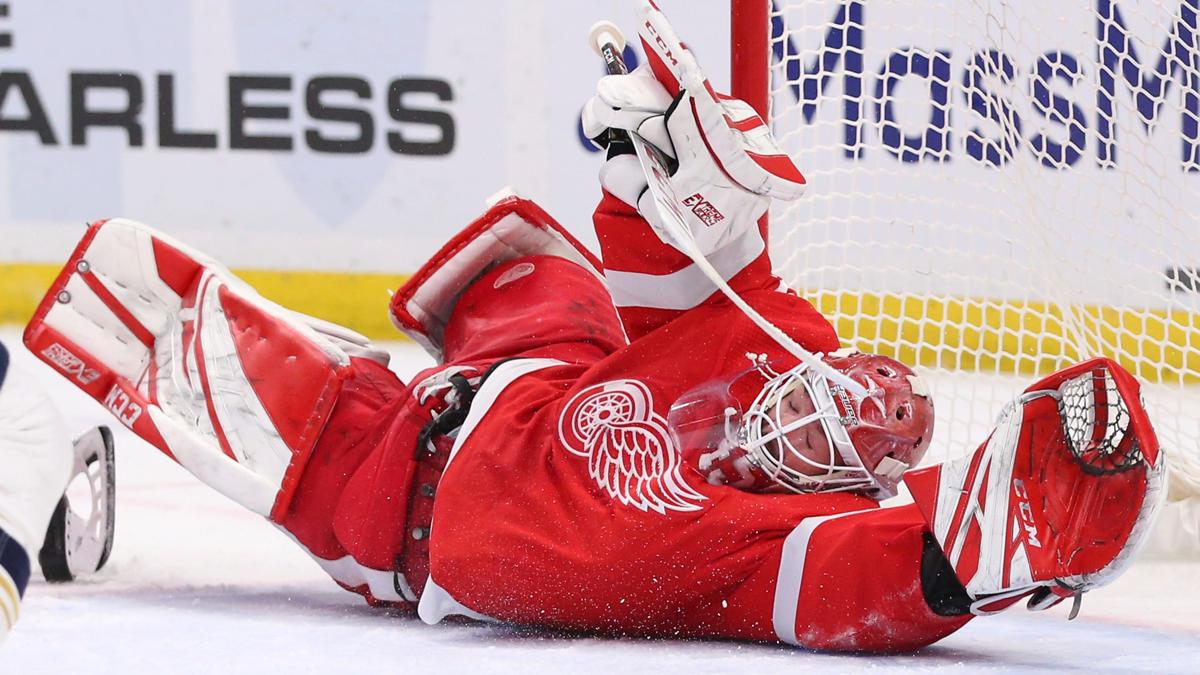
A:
[15, 561]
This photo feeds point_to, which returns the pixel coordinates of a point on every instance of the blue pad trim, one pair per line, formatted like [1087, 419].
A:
[15, 561]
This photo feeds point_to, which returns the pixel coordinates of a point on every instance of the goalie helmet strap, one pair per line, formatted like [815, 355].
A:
[943, 592]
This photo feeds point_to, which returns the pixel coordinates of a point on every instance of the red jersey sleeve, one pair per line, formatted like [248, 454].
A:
[653, 283]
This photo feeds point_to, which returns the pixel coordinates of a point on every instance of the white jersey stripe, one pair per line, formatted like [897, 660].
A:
[791, 574]
[689, 286]
[436, 603]
[384, 585]
[496, 383]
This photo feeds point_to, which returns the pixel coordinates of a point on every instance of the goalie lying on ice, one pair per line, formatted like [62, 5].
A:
[612, 446]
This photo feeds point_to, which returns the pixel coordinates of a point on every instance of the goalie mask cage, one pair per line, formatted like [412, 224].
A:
[997, 189]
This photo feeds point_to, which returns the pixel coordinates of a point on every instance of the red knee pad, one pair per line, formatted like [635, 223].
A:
[530, 303]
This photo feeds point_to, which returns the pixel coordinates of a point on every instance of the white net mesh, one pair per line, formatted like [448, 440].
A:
[999, 188]
[1096, 423]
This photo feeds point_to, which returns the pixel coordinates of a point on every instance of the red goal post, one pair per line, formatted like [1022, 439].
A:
[749, 54]
[997, 189]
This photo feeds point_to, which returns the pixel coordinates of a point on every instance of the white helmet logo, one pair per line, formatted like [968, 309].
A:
[631, 456]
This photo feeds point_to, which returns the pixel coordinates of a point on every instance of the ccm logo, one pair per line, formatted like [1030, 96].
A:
[662, 44]
[69, 363]
[1026, 512]
[122, 406]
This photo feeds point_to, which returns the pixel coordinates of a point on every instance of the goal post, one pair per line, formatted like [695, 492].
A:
[997, 189]
[749, 53]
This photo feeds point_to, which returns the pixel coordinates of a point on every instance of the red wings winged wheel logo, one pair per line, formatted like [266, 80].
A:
[630, 453]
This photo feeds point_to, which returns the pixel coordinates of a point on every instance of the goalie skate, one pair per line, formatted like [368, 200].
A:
[79, 540]
[1058, 501]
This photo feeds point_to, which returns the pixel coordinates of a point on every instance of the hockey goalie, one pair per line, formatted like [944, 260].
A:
[608, 444]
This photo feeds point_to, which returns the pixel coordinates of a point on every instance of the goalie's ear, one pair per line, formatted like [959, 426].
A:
[513, 227]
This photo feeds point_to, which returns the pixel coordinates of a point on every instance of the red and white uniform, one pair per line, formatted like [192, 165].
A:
[563, 502]
[531, 476]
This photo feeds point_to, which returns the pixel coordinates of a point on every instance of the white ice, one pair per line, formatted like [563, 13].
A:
[197, 585]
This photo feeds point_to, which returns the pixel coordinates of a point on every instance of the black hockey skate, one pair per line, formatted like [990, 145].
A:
[78, 540]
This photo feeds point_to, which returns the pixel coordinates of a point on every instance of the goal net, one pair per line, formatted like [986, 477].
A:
[997, 189]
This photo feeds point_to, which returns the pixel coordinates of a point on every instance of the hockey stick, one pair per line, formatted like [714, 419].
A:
[608, 42]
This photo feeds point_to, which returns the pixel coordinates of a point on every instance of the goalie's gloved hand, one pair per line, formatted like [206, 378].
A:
[635, 102]
[724, 162]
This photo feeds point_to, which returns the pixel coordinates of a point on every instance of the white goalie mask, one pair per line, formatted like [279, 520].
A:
[804, 434]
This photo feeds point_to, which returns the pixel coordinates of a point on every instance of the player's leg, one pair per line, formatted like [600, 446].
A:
[243, 393]
[237, 389]
[549, 291]
[364, 509]
[35, 465]
[246, 394]
[535, 306]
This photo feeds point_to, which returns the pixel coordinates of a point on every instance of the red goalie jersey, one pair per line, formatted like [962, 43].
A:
[564, 501]
[536, 474]
[539, 474]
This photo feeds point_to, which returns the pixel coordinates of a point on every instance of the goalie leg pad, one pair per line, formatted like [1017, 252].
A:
[511, 228]
[537, 305]
[232, 386]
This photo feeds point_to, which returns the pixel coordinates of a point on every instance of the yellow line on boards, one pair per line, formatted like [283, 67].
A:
[22, 286]
[954, 333]
[353, 299]
[1026, 337]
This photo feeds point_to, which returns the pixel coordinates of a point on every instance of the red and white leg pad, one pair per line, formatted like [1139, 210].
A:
[1061, 497]
[232, 386]
[511, 228]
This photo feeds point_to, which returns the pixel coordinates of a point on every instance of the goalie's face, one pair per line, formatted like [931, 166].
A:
[811, 450]
[808, 435]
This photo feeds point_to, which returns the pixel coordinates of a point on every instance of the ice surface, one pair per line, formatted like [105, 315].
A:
[197, 585]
